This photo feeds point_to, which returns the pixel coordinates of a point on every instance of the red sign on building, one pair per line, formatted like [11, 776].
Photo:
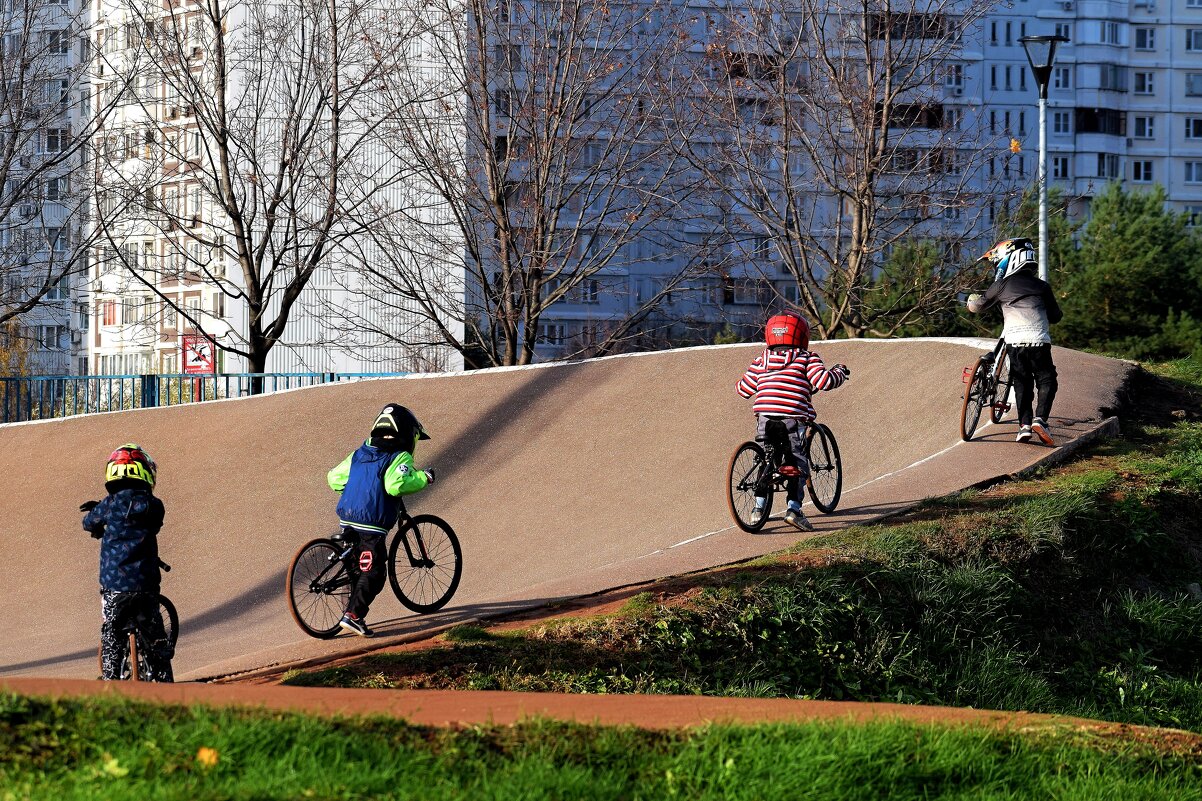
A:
[200, 355]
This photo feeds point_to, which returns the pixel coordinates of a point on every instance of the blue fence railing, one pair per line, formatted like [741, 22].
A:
[43, 397]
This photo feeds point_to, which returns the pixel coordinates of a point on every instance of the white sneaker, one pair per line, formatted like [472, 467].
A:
[1024, 434]
[1040, 429]
[795, 518]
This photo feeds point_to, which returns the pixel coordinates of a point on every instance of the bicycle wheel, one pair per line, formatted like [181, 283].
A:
[318, 588]
[170, 620]
[747, 473]
[976, 397]
[826, 468]
[1000, 401]
[428, 574]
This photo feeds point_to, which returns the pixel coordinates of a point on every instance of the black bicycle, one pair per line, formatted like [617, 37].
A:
[987, 385]
[319, 583]
[762, 470]
[146, 630]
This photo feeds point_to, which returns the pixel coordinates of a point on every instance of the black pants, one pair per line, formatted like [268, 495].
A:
[368, 567]
[159, 650]
[1031, 367]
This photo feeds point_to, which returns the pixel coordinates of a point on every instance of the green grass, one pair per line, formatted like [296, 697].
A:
[112, 750]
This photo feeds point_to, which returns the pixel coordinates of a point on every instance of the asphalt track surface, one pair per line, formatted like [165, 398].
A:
[561, 480]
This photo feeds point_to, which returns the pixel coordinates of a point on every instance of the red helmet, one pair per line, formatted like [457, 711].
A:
[787, 330]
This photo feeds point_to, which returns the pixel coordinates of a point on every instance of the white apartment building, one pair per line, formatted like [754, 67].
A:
[1124, 102]
[181, 208]
[41, 104]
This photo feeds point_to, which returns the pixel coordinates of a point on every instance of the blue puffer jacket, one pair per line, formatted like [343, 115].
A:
[128, 523]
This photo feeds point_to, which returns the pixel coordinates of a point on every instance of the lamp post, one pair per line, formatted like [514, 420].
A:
[1041, 52]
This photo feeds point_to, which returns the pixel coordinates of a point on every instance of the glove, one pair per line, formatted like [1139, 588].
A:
[430, 475]
[846, 370]
[88, 506]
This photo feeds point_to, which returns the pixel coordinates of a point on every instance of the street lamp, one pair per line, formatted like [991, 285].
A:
[1041, 52]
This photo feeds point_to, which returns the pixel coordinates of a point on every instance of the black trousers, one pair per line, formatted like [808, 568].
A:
[368, 567]
[1031, 368]
[159, 650]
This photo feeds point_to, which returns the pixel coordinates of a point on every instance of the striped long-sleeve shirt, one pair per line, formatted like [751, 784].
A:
[783, 381]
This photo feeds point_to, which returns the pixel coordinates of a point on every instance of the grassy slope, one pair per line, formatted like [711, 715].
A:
[1070, 592]
[118, 750]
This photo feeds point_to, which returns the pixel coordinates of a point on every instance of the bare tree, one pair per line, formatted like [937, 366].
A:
[835, 137]
[253, 156]
[537, 133]
[47, 117]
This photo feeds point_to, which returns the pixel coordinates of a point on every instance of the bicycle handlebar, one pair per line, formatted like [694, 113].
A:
[166, 567]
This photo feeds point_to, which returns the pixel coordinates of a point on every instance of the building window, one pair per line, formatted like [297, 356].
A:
[1062, 29]
[1193, 172]
[1060, 167]
[58, 43]
[52, 337]
[1110, 33]
[1062, 122]
[108, 311]
[993, 77]
[500, 102]
[1193, 40]
[1141, 172]
[55, 140]
[1193, 84]
[1193, 216]
[1145, 38]
[1108, 165]
[1144, 128]
[551, 334]
[1145, 83]
[1193, 127]
[1062, 78]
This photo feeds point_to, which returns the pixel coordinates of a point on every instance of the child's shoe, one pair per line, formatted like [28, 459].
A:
[355, 626]
[795, 518]
[1040, 429]
[1024, 434]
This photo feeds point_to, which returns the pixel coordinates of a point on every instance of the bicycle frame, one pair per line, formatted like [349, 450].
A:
[320, 583]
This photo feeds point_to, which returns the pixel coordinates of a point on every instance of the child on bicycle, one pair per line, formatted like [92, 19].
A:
[127, 523]
[1028, 307]
[781, 380]
[372, 480]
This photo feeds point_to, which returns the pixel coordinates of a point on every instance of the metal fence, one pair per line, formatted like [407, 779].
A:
[44, 397]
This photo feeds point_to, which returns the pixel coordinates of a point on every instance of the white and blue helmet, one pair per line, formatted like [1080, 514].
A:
[1011, 255]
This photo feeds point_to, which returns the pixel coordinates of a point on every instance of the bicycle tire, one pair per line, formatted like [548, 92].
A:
[317, 590]
[170, 619]
[1003, 381]
[976, 395]
[825, 483]
[746, 473]
[426, 588]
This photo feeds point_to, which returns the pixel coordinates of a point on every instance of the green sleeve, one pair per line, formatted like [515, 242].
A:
[338, 476]
[402, 478]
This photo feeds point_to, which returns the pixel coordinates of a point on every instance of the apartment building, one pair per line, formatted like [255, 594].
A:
[42, 103]
[1125, 98]
[217, 215]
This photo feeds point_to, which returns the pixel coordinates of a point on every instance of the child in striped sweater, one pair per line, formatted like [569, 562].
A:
[781, 381]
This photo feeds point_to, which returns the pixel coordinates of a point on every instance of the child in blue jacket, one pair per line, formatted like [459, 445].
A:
[127, 523]
[372, 481]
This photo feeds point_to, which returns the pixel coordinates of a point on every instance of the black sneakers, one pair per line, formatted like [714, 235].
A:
[1024, 434]
[355, 626]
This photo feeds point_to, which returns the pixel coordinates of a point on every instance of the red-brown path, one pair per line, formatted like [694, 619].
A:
[561, 480]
